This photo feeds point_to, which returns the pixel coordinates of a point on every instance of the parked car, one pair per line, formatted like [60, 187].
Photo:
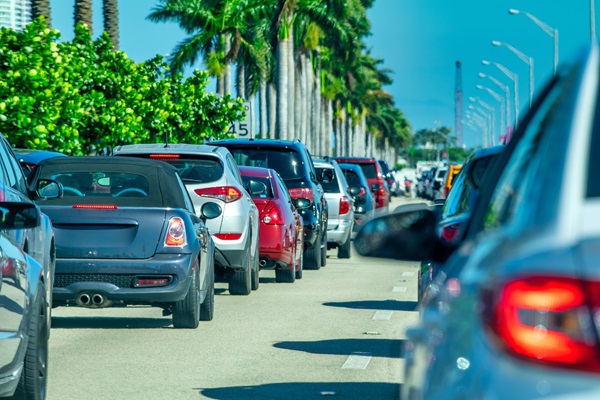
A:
[455, 211]
[340, 221]
[374, 175]
[390, 179]
[364, 200]
[28, 158]
[281, 237]
[127, 233]
[211, 175]
[515, 314]
[24, 309]
[292, 161]
[436, 185]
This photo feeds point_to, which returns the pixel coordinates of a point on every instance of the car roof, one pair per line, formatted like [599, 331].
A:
[35, 156]
[256, 171]
[257, 143]
[356, 159]
[175, 148]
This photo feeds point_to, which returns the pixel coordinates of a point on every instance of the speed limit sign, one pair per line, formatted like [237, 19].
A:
[242, 127]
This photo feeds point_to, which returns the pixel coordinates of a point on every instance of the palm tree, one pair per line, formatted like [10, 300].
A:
[110, 11]
[41, 8]
[83, 13]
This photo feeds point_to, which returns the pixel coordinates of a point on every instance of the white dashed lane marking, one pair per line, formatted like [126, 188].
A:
[357, 360]
[399, 289]
[383, 315]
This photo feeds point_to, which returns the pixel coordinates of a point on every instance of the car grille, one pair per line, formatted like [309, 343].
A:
[119, 280]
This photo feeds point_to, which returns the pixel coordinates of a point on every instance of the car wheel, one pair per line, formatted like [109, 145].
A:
[312, 256]
[32, 384]
[344, 249]
[186, 312]
[207, 309]
[240, 282]
[324, 250]
[300, 265]
[255, 271]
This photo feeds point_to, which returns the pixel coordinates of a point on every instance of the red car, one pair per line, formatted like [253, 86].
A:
[281, 237]
[374, 174]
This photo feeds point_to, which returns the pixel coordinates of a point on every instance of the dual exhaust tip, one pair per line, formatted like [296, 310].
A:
[92, 300]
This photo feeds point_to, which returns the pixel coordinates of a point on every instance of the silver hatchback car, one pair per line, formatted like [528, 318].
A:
[340, 205]
[211, 175]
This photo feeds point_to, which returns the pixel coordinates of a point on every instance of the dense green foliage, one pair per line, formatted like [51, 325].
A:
[73, 96]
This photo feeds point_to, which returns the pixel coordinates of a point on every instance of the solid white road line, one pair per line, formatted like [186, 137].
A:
[357, 360]
[382, 315]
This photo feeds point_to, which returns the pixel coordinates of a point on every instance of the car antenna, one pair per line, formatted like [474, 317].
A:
[166, 139]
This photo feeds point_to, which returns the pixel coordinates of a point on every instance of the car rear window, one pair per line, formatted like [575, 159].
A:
[352, 178]
[370, 170]
[287, 162]
[268, 194]
[329, 187]
[191, 168]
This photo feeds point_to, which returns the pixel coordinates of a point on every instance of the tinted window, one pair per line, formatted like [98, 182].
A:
[464, 190]
[267, 182]
[352, 178]
[198, 170]
[287, 162]
[329, 187]
[370, 170]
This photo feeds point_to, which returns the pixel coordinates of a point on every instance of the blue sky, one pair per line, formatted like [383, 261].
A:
[420, 40]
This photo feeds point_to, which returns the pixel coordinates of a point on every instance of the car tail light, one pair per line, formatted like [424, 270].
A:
[227, 194]
[273, 215]
[450, 232]
[305, 193]
[550, 320]
[152, 281]
[228, 236]
[176, 233]
[95, 206]
[164, 156]
[344, 205]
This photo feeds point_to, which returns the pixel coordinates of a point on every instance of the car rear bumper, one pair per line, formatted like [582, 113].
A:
[114, 279]
[338, 230]
[276, 248]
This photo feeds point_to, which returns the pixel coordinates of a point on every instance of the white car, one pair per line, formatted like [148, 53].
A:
[211, 175]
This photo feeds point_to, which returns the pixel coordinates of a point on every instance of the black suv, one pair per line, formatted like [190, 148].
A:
[292, 160]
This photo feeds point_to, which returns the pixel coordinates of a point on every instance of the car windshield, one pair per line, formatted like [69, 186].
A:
[287, 162]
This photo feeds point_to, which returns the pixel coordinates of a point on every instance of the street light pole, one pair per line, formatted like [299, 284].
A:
[492, 117]
[483, 119]
[515, 79]
[500, 99]
[552, 32]
[526, 59]
[592, 21]
[507, 93]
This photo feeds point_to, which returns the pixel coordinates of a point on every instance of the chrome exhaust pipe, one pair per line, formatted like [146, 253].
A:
[262, 263]
[83, 299]
[97, 299]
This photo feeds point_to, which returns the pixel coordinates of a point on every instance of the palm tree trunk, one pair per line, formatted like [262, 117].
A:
[317, 99]
[110, 11]
[227, 75]
[291, 88]
[83, 13]
[282, 89]
[263, 108]
[240, 81]
[272, 114]
[298, 98]
[306, 73]
[41, 8]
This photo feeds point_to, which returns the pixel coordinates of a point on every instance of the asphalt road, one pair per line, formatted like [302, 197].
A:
[336, 333]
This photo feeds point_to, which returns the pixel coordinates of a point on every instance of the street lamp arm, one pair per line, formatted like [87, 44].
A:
[545, 27]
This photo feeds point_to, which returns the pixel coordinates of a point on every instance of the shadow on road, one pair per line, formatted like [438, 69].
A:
[391, 305]
[109, 323]
[306, 390]
[386, 348]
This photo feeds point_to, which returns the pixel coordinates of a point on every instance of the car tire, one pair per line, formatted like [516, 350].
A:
[240, 282]
[312, 256]
[33, 381]
[186, 312]
[207, 309]
[287, 275]
[324, 250]
[344, 248]
[299, 266]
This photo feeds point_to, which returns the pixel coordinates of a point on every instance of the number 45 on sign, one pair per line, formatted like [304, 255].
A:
[242, 127]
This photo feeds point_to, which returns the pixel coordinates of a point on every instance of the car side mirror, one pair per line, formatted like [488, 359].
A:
[48, 189]
[255, 187]
[326, 176]
[301, 203]
[408, 234]
[354, 190]
[375, 187]
[18, 215]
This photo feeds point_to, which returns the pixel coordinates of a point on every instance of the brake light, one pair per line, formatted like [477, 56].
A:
[95, 206]
[549, 319]
[164, 156]
[344, 205]
[450, 232]
[152, 281]
[273, 215]
[176, 233]
[446, 191]
[305, 193]
[227, 194]
[228, 236]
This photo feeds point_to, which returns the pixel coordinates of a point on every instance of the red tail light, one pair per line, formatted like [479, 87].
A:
[446, 191]
[549, 319]
[95, 206]
[305, 193]
[273, 215]
[228, 236]
[164, 156]
[152, 281]
[176, 233]
[227, 194]
[450, 232]
[344, 205]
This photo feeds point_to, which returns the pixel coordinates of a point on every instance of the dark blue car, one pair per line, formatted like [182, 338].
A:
[127, 234]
